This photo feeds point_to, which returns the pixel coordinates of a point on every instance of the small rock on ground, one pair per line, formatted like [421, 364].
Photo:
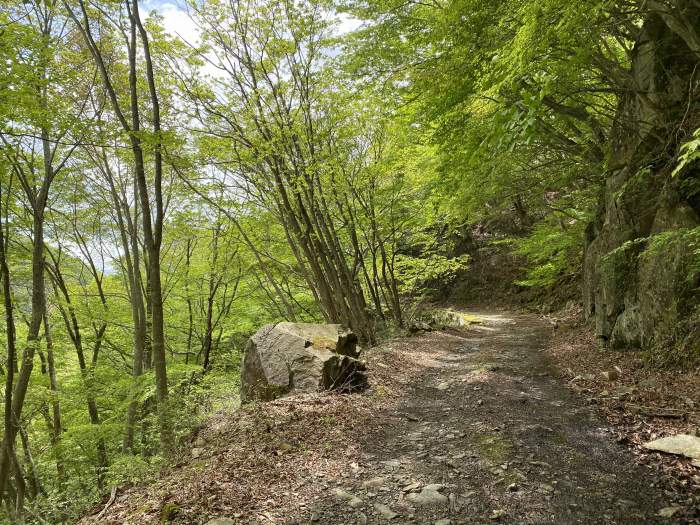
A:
[385, 511]
[429, 495]
[351, 499]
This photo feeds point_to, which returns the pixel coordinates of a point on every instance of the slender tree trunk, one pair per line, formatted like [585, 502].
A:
[87, 372]
[153, 236]
[34, 482]
[148, 319]
[25, 371]
[213, 285]
[56, 424]
[152, 226]
[128, 233]
[188, 299]
[7, 443]
[21, 486]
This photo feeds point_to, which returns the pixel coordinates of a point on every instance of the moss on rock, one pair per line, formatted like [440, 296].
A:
[669, 278]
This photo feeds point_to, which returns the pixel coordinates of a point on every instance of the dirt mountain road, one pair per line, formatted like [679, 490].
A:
[458, 427]
[498, 437]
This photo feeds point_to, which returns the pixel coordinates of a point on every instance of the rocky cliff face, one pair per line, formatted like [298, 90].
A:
[642, 250]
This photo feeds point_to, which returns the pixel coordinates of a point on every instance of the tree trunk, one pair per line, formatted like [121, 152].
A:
[153, 236]
[56, 425]
[7, 444]
[34, 482]
[152, 226]
[87, 372]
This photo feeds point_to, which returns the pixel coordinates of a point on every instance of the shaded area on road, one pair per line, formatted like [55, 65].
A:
[506, 439]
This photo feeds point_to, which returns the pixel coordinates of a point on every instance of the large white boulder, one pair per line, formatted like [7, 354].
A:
[303, 357]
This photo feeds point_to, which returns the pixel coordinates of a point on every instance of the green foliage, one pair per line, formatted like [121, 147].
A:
[554, 251]
[685, 241]
[130, 469]
[672, 261]
[689, 153]
[290, 155]
[418, 275]
[511, 100]
[622, 252]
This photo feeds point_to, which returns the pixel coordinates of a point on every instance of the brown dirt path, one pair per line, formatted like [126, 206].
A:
[460, 427]
[505, 438]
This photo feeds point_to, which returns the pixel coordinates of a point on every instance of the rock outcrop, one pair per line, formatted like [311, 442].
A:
[640, 272]
[302, 357]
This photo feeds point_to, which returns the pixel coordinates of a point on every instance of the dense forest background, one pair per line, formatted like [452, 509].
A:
[162, 197]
